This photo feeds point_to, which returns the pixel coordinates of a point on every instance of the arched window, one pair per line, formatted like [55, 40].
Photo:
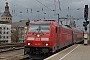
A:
[10, 18]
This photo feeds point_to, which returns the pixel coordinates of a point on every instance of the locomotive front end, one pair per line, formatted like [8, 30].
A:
[38, 38]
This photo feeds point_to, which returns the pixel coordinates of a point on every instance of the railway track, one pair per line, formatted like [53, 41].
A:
[12, 55]
[3, 46]
[17, 54]
[11, 47]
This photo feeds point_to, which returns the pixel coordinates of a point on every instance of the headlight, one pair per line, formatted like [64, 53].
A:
[38, 35]
[30, 38]
[46, 44]
[29, 43]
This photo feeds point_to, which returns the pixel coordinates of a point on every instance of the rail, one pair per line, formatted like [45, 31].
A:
[11, 47]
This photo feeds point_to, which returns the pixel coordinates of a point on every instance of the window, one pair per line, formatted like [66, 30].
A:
[0, 27]
[4, 28]
[0, 36]
[12, 31]
[43, 27]
[4, 32]
[0, 32]
[3, 36]
[56, 29]
[7, 36]
[7, 32]
[7, 28]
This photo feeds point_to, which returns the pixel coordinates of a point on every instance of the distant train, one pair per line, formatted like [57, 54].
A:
[47, 36]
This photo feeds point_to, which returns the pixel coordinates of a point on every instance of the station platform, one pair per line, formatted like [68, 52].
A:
[75, 52]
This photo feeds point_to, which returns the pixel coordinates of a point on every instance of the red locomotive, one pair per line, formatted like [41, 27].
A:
[45, 37]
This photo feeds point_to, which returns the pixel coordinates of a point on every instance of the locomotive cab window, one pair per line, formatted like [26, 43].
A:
[56, 29]
[42, 27]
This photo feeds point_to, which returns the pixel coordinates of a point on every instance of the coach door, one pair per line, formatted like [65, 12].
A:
[74, 37]
[57, 35]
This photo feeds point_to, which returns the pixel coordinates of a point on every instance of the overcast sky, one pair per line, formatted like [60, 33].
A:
[66, 7]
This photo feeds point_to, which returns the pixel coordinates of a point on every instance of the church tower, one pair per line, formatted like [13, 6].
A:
[6, 16]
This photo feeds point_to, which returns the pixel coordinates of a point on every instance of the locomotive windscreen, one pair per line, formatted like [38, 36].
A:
[39, 27]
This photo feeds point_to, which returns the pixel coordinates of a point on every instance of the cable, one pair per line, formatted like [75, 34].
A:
[55, 4]
[45, 6]
[59, 5]
[60, 8]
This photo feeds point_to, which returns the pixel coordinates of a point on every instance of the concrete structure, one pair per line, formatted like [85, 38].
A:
[75, 52]
[4, 22]
[5, 33]
[6, 16]
[21, 27]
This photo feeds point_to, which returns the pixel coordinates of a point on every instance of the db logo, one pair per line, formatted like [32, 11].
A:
[37, 38]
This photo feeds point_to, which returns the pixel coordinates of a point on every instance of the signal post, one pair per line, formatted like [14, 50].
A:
[85, 24]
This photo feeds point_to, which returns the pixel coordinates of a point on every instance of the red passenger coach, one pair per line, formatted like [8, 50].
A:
[65, 36]
[45, 37]
[77, 35]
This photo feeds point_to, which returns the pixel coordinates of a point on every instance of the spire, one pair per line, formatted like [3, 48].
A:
[6, 7]
[6, 16]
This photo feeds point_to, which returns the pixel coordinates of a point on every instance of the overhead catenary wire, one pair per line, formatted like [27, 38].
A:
[60, 7]
[55, 4]
[30, 10]
[27, 10]
[45, 5]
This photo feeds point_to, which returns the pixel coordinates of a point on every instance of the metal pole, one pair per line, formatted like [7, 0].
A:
[58, 18]
[89, 29]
